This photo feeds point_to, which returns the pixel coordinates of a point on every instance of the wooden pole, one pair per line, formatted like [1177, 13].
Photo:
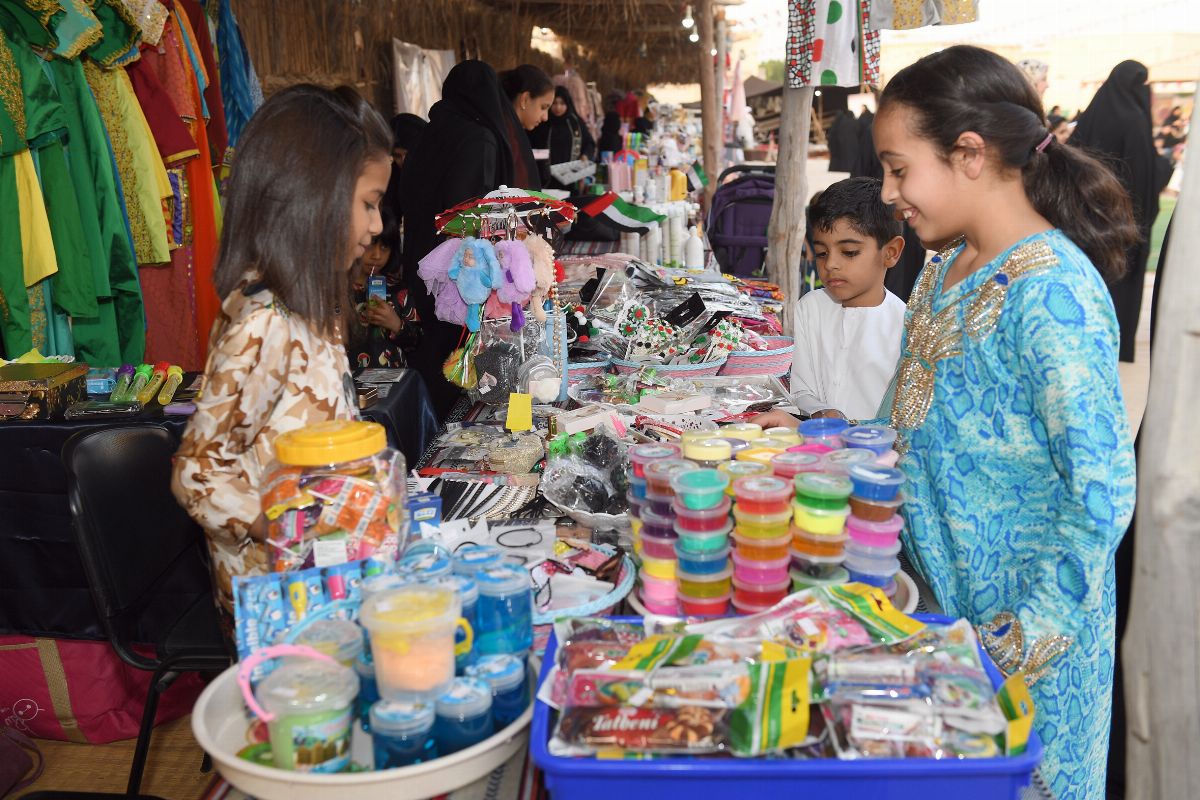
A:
[1161, 652]
[708, 98]
[719, 77]
[785, 233]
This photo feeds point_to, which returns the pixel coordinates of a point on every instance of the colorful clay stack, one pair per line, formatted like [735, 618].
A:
[874, 525]
[659, 564]
[876, 440]
[639, 457]
[702, 525]
[761, 514]
[819, 511]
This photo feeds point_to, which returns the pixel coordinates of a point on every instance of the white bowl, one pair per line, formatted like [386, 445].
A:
[220, 721]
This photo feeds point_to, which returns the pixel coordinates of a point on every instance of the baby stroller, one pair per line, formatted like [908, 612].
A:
[738, 219]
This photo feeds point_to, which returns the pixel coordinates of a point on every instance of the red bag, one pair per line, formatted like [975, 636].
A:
[80, 691]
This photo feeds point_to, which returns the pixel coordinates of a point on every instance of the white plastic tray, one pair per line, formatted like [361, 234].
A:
[220, 721]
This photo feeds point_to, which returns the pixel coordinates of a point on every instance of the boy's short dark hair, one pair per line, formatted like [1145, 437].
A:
[858, 201]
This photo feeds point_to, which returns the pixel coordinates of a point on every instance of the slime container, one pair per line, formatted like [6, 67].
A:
[820, 521]
[464, 716]
[705, 542]
[312, 703]
[761, 526]
[474, 557]
[699, 564]
[670, 609]
[706, 586]
[689, 437]
[642, 454]
[873, 482]
[661, 568]
[746, 609]
[771, 443]
[658, 590]
[656, 546]
[636, 504]
[826, 431]
[800, 581]
[702, 520]
[704, 606]
[709, 453]
[378, 584]
[638, 487]
[736, 445]
[875, 438]
[760, 573]
[783, 434]
[762, 549]
[806, 544]
[368, 690]
[402, 733]
[339, 639]
[746, 431]
[659, 473]
[510, 691]
[758, 595]
[875, 534]
[426, 566]
[656, 524]
[412, 640]
[874, 510]
[505, 611]
[699, 489]
[816, 566]
[758, 455]
[838, 462]
[873, 572]
[765, 495]
[742, 469]
[659, 504]
[788, 465]
[822, 490]
[865, 551]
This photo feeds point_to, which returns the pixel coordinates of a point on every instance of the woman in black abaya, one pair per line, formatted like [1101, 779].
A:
[1117, 127]
[564, 134]
[843, 143]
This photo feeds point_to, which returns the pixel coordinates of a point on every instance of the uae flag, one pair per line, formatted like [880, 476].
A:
[623, 215]
[696, 177]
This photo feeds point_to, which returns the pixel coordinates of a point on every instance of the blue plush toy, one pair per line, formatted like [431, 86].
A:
[475, 270]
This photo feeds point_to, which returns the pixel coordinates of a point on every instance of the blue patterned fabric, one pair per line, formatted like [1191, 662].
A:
[1021, 483]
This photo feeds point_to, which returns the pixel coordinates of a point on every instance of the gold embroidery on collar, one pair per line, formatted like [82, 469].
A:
[12, 96]
[934, 337]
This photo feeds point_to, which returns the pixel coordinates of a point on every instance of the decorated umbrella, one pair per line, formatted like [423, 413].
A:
[497, 213]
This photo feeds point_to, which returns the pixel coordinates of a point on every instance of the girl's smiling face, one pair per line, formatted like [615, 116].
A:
[918, 180]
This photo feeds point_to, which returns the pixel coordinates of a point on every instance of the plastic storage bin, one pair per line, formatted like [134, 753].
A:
[895, 779]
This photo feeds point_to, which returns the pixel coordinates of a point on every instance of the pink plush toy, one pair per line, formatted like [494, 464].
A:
[542, 256]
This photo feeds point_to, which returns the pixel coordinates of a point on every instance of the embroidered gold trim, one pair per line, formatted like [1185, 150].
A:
[43, 9]
[1007, 648]
[88, 37]
[11, 94]
[151, 17]
[935, 337]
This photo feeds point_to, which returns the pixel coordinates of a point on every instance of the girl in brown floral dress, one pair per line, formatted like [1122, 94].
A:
[302, 205]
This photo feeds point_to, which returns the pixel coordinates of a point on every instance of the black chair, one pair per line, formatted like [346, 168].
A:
[146, 562]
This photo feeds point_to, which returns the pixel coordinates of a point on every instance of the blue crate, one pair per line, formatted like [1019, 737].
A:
[877, 779]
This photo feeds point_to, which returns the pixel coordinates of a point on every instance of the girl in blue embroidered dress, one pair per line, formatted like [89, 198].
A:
[1007, 400]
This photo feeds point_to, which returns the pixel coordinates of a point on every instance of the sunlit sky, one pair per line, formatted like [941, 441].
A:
[1012, 21]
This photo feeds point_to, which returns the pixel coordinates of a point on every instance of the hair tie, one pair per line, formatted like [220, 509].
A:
[1041, 148]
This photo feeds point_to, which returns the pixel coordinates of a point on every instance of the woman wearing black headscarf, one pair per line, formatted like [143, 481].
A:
[610, 133]
[843, 142]
[1117, 127]
[462, 154]
[564, 134]
[406, 130]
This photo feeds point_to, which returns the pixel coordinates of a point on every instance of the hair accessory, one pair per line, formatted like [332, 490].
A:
[1041, 148]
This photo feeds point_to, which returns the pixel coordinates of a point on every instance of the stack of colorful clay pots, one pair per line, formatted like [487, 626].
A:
[819, 512]
[640, 457]
[760, 559]
[658, 562]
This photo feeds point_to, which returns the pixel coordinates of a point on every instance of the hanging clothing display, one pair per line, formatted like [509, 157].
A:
[830, 43]
[903, 15]
[113, 128]
[418, 76]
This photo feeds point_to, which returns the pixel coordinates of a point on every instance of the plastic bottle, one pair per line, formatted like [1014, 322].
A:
[141, 376]
[174, 378]
[121, 388]
[157, 378]
[693, 251]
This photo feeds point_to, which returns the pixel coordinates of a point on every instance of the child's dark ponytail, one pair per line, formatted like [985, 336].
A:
[966, 88]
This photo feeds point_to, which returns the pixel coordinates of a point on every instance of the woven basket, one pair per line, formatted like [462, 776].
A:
[776, 361]
[578, 370]
[706, 369]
